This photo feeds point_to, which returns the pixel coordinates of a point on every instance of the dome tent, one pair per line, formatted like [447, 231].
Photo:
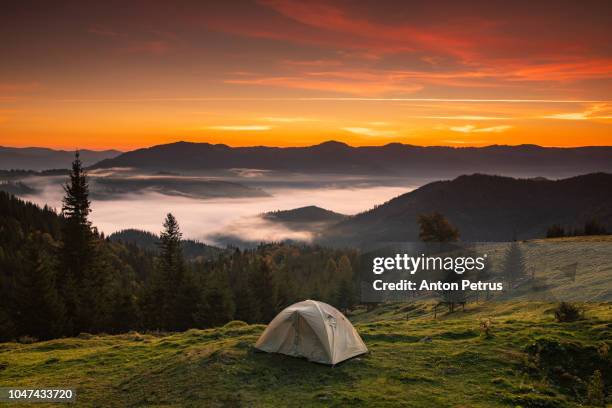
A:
[314, 330]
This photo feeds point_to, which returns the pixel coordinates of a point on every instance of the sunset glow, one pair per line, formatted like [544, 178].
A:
[286, 73]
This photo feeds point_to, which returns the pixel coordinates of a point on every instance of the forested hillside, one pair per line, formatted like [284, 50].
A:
[60, 277]
[192, 250]
[485, 208]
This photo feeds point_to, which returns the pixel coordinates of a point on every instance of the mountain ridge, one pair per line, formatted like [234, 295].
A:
[393, 158]
[43, 158]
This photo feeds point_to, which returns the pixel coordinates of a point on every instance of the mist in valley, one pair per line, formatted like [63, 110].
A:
[211, 214]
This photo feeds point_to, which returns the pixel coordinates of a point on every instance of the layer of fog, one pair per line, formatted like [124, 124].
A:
[209, 219]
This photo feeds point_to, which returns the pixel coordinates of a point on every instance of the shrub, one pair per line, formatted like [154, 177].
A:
[595, 390]
[594, 227]
[235, 323]
[567, 312]
[27, 339]
[555, 231]
[486, 326]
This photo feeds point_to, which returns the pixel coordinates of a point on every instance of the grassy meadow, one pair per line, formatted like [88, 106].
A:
[414, 361]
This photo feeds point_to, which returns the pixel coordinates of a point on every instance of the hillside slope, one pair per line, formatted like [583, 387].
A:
[485, 208]
[414, 363]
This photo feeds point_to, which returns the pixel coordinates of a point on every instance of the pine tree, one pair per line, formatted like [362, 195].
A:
[345, 296]
[77, 252]
[165, 303]
[514, 264]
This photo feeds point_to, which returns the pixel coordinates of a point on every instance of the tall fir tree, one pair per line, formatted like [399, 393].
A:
[77, 251]
[514, 264]
[170, 297]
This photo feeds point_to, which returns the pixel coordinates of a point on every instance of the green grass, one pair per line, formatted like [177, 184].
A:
[455, 367]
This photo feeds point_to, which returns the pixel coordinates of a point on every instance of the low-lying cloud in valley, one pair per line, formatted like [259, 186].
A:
[223, 220]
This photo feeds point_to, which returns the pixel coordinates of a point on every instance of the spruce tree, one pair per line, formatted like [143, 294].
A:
[77, 252]
[344, 295]
[166, 305]
[514, 264]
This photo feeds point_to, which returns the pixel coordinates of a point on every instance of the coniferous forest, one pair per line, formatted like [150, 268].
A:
[60, 276]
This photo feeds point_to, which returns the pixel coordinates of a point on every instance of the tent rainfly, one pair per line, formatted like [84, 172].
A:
[314, 330]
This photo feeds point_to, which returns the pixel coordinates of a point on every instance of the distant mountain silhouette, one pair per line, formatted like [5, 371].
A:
[395, 158]
[484, 208]
[150, 242]
[40, 158]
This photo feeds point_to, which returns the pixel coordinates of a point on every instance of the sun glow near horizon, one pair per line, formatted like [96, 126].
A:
[282, 73]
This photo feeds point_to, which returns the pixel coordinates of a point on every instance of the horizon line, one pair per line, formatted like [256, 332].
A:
[65, 149]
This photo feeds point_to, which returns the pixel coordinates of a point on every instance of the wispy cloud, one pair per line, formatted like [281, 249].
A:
[153, 47]
[18, 87]
[463, 142]
[466, 117]
[280, 119]
[152, 42]
[364, 131]
[476, 129]
[104, 31]
[589, 114]
[365, 85]
[239, 128]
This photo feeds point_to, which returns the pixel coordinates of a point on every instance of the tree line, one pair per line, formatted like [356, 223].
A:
[60, 277]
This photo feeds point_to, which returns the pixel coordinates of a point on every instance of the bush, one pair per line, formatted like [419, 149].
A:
[555, 231]
[567, 312]
[593, 227]
[595, 390]
[568, 365]
[235, 323]
[486, 326]
[27, 340]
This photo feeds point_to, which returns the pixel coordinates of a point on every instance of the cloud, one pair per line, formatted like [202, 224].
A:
[462, 142]
[153, 42]
[18, 87]
[104, 31]
[153, 47]
[241, 127]
[475, 49]
[349, 83]
[288, 119]
[588, 114]
[568, 116]
[475, 129]
[370, 132]
[466, 117]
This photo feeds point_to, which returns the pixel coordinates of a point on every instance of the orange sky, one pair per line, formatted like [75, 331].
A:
[285, 73]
